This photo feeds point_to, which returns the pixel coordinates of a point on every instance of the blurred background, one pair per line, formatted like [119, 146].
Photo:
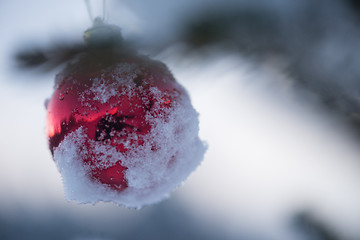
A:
[277, 87]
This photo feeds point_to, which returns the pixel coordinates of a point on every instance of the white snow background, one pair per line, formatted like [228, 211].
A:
[271, 153]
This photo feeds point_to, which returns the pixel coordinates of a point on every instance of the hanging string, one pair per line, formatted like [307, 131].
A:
[89, 9]
[87, 3]
[104, 10]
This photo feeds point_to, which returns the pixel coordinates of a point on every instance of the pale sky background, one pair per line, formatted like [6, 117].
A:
[271, 152]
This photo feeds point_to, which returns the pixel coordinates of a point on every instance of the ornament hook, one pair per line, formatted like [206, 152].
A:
[89, 9]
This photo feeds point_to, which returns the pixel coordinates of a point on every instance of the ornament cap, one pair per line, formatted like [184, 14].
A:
[103, 35]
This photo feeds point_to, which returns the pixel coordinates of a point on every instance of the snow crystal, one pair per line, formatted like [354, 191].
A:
[127, 71]
[102, 89]
[171, 151]
[103, 92]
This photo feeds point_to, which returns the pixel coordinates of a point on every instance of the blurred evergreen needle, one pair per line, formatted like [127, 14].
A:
[47, 58]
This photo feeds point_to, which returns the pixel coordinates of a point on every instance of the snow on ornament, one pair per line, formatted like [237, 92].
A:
[120, 127]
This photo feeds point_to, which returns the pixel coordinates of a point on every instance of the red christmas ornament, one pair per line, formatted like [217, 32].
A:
[115, 114]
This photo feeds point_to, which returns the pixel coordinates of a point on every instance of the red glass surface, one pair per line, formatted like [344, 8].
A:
[74, 105]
